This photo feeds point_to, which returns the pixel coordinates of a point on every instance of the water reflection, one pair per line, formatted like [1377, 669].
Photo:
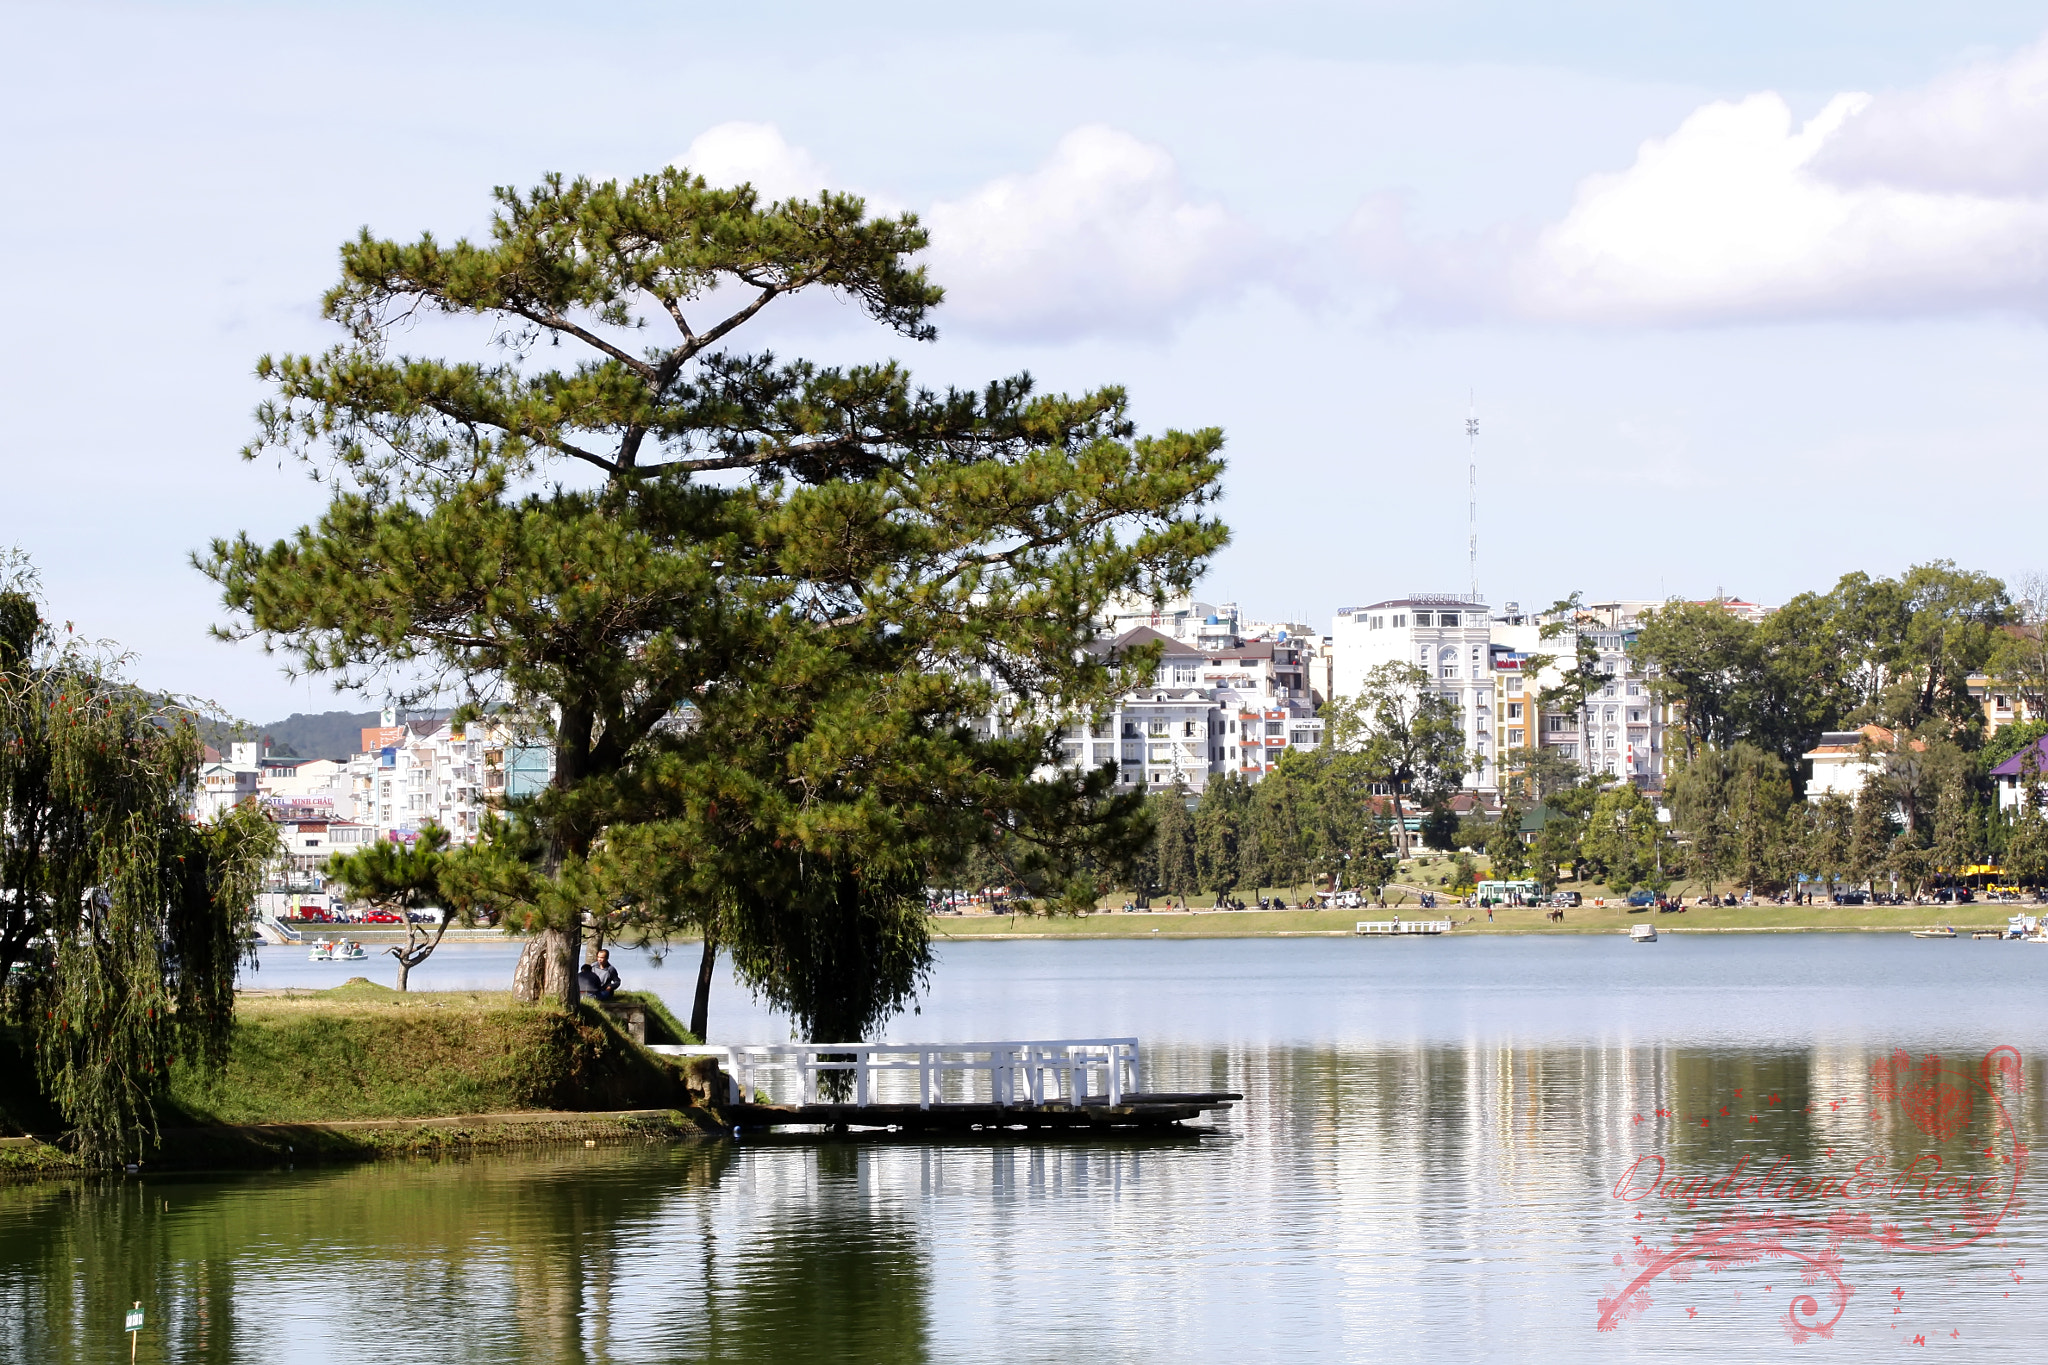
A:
[1422, 1202]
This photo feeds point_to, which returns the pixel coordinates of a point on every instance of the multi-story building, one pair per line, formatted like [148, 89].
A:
[224, 782]
[1492, 667]
[2003, 703]
[1619, 733]
[1182, 619]
[432, 772]
[1215, 704]
[1450, 638]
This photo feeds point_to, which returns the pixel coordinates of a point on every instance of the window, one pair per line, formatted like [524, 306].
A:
[1184, 675]
[1515, 739]
[1421, 618]
[1514, 710]
[1607, 691]
[1301, 739]
[1607, 666]
[1447, 618]
[1447, 662]
[1480, 748]
[1559, 724]
[2003, 703]
[1159, 777]
[1609, 717]
[1274, 727]
[1635, 716]
[1187, 729]
[1567, 751]
[1400, 621]
[1610, 740]
[1635, 689]
[1155, 726]
[1379, 622]
[1159, 753]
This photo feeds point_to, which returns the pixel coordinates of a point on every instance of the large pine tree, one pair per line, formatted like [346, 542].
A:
[796, 633]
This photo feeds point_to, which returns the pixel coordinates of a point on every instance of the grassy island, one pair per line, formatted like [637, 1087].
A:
[362, 1070]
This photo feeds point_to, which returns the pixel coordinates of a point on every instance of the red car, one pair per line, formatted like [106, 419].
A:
[381, 917]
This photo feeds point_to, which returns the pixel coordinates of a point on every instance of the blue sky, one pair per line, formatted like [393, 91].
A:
[1750, 295]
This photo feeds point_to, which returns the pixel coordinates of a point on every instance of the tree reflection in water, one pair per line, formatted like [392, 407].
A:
[1439, 1176]
[597, 1256]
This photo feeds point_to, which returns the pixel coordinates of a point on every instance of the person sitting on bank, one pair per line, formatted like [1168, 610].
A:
[599, 979]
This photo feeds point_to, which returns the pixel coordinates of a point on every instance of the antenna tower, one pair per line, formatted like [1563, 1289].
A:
[1472, 493]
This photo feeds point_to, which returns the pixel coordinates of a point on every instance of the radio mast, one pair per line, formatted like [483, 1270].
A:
[1472, 492]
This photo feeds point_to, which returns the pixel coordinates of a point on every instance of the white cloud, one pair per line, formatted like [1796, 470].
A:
[1103, 237]
[1982, 130]
[740, 153]
[1925, 202]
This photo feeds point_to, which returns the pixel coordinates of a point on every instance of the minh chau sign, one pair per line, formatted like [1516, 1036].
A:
[1817, 1217]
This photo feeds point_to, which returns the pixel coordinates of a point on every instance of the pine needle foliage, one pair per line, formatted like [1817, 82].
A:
[794, 631]
[122, 923]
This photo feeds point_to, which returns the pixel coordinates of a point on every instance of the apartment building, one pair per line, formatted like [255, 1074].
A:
[431, 772]
[1450, 638]
[1620, 732]
[1216, 703]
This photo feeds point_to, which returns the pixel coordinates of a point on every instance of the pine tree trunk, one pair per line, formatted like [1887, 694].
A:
[404, 967]
[561, 951]
[700, 1007]
[527, 976]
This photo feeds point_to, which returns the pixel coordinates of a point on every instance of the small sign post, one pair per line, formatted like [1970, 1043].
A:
[133, 1329]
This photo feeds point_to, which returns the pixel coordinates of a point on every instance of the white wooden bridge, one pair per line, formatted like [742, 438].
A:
[1063, 1083]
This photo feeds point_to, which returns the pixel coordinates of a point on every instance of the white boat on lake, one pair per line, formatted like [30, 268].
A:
[340, 950]
[1643, 933]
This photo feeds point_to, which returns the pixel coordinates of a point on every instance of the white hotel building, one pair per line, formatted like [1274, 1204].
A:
[1451, 638]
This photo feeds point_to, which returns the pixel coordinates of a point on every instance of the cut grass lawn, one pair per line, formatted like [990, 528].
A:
[363, 1051]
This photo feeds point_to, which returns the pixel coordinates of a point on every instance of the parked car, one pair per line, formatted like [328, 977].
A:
[1851, 898]
[1639, 899]
[381, 917]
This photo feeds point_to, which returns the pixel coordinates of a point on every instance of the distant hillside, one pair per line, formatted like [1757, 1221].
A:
[325, 734]
[328, 734]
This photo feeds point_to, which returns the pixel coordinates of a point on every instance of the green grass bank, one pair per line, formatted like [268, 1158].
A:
[364, 1071]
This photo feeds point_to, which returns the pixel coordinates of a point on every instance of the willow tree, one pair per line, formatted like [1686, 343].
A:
[795, 632]
[122, 922]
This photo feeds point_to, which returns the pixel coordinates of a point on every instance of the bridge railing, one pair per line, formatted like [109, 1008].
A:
[1035, 1072]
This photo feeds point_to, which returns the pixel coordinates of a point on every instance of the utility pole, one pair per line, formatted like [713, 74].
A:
[1472, 491]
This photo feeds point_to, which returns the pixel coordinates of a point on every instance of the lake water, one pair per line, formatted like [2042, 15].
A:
[1425, 1168]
